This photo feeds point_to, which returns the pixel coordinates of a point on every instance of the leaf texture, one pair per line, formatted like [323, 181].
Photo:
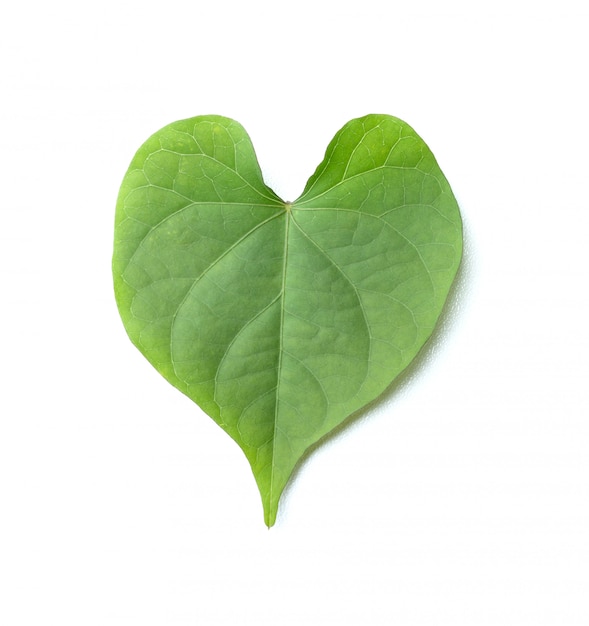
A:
[281, 319]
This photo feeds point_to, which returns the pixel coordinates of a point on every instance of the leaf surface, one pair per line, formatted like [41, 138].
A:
[281, 319]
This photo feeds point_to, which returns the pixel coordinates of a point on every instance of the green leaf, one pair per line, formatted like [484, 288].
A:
[281, 319]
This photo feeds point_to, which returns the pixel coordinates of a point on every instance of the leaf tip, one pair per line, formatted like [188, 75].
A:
[270, 516]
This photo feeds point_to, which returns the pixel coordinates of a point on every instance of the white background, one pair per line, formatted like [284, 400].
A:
[462, 497]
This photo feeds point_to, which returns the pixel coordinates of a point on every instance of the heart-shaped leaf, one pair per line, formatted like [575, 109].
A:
[281, 319]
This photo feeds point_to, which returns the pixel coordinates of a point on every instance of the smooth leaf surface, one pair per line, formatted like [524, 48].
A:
[281, 319]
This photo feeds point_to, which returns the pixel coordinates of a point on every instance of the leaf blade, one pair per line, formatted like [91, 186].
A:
[281, 319]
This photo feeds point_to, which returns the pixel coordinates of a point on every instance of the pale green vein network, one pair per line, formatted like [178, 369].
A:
[387, 224]
[354, 288]
[242, 329]
[171, 216]
[204, 273]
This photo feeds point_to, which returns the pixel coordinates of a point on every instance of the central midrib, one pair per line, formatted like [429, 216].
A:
[287, 219]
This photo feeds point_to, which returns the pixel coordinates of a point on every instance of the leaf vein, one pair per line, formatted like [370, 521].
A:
[355, 290]
[202, 274]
